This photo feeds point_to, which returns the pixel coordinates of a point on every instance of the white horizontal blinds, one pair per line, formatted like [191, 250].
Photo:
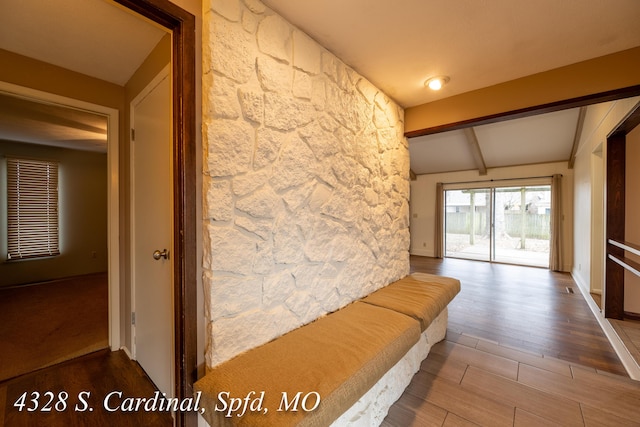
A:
[32, 201]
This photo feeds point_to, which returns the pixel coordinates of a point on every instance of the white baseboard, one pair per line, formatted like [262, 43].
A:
[421, 252]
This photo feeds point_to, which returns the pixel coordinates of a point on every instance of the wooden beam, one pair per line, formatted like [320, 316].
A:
[577, 135]
[476, 152]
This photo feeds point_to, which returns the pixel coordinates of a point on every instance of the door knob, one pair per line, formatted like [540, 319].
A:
[157, 254]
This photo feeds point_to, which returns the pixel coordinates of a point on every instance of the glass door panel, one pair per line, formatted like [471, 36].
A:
[502, 224]
[468, 224]
[522, 225]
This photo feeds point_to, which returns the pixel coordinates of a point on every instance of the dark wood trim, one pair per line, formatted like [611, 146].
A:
[632, 316]
[615, 219]
[182, 25]
[582, 101]
[632, 120]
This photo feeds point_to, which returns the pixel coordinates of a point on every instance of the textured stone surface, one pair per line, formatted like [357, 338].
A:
[306, 182]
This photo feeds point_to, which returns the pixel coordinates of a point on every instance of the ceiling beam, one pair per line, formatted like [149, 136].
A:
[576, 137]
[476, 152]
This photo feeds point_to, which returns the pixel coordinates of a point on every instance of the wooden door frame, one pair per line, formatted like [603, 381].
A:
[615, 214]
[181, 24]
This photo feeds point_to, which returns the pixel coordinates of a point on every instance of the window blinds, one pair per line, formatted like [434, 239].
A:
[32, 204]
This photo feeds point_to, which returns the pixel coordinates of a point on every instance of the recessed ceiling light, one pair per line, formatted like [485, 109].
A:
[436, 83]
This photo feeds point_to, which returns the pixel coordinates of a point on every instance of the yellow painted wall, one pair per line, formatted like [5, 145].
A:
[606, 73]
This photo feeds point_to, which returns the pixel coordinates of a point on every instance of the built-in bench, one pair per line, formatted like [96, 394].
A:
[336, 369]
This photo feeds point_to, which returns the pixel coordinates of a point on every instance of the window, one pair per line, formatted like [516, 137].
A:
[32, 205]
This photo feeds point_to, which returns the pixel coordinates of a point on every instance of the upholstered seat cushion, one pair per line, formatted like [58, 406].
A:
[339, 356]
[421, 296]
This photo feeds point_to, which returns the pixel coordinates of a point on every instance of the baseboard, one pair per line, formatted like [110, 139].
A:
[631, 316]
[419, 252]
[629, 363]
[126, 351]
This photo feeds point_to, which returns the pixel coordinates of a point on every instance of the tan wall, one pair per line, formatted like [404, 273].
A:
[573, 81]
[588, 237]
[632, 225]
[82, 221]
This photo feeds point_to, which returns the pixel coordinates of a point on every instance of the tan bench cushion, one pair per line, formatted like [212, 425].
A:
[421, 296]
[340, 356]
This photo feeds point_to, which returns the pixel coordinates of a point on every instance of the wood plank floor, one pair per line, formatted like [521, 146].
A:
[39, 353]
[629, 332]
[97, 374]
[519, 351]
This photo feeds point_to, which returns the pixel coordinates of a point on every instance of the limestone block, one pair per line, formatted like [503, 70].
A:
[330, 66]
[286, 113]
[304, 306]
[274, 76]
[255, 6]
[274, 38]
[306, 53]
[345, 170]
[249, 182]
[297, 197]
[232, 50]
[260, 204]
[264, 263]
[318, 95]
[231, 336]
[260, 227]
[218, 201]
[302, 85]
[322, 143]
[229, 147]
[321, 194]
[296, 166]
[230, 295]
[277, 287]
[268, 143]
[230, 9]
[230, 250]
[249, 22]
[220, 100]
[380, 118]
[341, 206]
[287, 244]
[367, 90]
[252, 105]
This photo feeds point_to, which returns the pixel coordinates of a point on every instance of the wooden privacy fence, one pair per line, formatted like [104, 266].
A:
[534, 226]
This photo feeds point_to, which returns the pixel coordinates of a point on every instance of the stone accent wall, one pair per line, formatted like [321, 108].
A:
[306, 180]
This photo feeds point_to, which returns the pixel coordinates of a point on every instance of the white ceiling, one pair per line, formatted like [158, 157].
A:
[542, 138]
[396, 45]
[92, 37]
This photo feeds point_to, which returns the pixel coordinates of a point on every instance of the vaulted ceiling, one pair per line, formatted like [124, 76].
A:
[396, 45]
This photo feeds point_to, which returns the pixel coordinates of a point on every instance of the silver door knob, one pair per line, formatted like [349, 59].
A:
[157, 254]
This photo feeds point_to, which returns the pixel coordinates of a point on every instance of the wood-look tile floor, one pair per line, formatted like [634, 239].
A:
[519, 351]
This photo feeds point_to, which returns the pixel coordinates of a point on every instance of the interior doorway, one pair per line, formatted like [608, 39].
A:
[508, 224]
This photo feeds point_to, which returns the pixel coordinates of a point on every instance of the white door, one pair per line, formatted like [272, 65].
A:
[152, 214]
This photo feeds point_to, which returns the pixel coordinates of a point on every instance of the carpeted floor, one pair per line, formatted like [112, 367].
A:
[45, 324]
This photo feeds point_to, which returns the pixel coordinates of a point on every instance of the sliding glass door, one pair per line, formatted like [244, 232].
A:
[502, 224]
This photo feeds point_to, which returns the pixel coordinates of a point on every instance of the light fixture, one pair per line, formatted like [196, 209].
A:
[436, 83]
